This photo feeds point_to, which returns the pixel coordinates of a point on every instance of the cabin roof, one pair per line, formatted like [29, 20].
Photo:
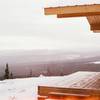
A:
[78, 83]
[81, 79]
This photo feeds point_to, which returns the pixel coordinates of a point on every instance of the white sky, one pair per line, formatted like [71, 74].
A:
[23, 25]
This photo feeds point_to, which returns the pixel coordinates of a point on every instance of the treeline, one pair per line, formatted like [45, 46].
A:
[8, 74]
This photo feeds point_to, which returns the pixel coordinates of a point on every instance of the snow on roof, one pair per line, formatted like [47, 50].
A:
[55, 3]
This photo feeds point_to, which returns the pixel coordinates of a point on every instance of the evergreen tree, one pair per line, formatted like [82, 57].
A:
[6, 76]
[11, 75]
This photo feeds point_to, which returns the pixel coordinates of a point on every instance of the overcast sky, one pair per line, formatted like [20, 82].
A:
[23, 25]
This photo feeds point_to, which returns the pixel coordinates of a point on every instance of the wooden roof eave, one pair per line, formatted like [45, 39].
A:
[80, 10]
[92, 12]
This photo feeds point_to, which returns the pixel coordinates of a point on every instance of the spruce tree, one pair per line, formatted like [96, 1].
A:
[6, 72]
[11, 75]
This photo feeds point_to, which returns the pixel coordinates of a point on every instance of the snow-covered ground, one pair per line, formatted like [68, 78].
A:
[53, 3]
[96, 62]
[22, 89]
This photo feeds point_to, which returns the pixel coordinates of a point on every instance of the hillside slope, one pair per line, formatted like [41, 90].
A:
[22, 89]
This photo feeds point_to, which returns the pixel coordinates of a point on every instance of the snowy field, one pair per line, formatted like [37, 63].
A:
[22, 89]
[53, 3]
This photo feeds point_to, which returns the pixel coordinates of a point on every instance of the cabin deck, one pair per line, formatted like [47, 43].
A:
[79, 83]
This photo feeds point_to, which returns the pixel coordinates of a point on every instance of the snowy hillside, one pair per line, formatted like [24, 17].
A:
[22, 89]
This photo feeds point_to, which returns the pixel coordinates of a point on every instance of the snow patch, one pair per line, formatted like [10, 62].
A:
[54, 3]
[97, 62]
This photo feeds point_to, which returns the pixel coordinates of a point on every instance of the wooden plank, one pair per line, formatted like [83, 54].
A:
[94, 19]
[42, 90]
[96, 31]
[78, 15]
[64, 96]
[57, 94]
[74, 10]
[42, 97]
[95, 26]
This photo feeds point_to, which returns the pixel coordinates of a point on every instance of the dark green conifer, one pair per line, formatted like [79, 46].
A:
[6, 76]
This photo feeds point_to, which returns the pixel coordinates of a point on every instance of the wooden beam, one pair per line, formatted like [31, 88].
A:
[95, 26]
[94, 19]
[96, 31]
[45, 90]
[94, 22]
[77, 15]
[69, 96]
[73, 11]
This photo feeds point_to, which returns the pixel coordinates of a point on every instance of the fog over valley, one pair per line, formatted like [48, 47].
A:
[47, 62]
